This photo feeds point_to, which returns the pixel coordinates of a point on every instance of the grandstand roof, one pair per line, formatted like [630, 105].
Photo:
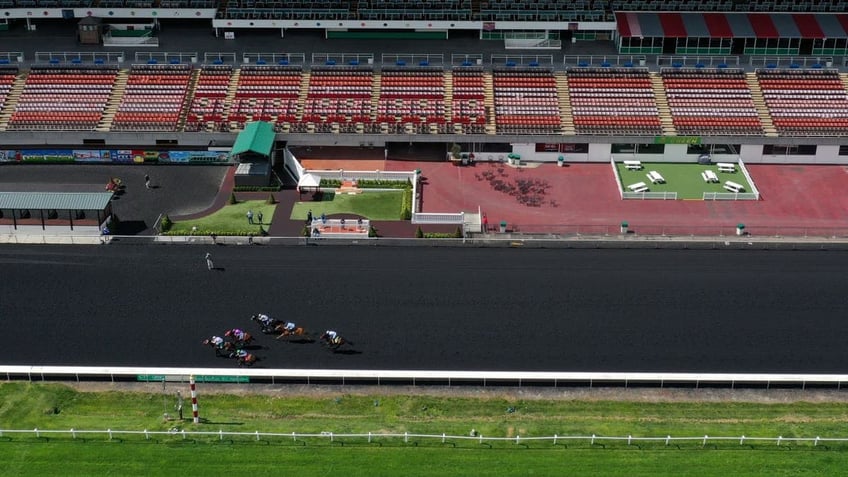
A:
[55, 200]
[729, 25]
[257, 137]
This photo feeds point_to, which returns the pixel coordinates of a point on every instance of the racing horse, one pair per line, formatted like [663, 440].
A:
[334, 343]
[239, 338]
[246, 359]
[225, 348]
[269, 326]
[298, 331]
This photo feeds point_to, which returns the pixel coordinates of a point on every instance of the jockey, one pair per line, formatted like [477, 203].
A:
[216, 341]
[241, 354]
[265, 320]
[332, 336]
[289, 327]
[236, 333]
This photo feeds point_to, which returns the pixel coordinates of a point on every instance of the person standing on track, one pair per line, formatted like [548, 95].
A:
[209, 264]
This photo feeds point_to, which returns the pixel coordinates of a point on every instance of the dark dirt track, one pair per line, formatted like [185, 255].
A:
[431, 308]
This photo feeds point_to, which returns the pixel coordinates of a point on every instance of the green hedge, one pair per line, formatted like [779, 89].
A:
[383, 184]
[406, 205]
[334, 183]
[275, 188]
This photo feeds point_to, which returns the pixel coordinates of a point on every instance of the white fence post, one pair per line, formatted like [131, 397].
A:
[369, 437]
[592, 442]
[779, 438]
[741, 440]
[146, 435]
[110, 433]
[705, 441]
[405, 437]
[555, 438]
[667, 440]
[257, 435]
[629, 438]
[816, 442]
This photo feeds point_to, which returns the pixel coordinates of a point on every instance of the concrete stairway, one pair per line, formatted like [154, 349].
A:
[114, 102]
[760, 105]
[489, 103]
[565, 112]
[660, 97]
[12, 101]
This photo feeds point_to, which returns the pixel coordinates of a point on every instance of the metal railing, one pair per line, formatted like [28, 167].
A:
[405, 437]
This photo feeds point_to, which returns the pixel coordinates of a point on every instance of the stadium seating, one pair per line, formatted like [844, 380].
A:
[544, 11]
[468, 110]
[526, 101]
[414, 97]
[266, 93]
[613, 101]
[287, 10]
[710, 101]
[7, 79]
[207, 106]
[835, 6]
[63, 98]
[805, 102]
[154, 98]
[338, 99]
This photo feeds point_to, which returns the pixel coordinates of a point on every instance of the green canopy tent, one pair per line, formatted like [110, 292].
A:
[253, 151]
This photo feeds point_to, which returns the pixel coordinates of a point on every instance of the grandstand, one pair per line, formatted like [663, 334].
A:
[761, 90]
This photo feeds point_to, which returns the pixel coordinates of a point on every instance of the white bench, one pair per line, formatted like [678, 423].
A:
[633, 165]
[726, 167]
[655, 177]
[734, 187]
[638, 187]
[709, 176]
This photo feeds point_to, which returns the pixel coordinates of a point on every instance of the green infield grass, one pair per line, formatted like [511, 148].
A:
[685, 179]
[382, 205]
[58, 407]
[229, 220]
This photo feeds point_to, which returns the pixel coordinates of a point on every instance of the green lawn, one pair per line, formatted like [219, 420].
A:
[383, 205]
[53, 406]
[685, 179]
[230, 220]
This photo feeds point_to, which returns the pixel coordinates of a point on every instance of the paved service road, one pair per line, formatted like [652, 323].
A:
[431, 308]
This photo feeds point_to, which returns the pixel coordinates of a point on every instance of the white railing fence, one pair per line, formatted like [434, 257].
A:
[473, 437]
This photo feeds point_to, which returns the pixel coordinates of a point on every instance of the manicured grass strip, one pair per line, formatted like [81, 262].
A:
[52, 406]
[230, 220]
[685, 179]
[142, 458]
[384, 205]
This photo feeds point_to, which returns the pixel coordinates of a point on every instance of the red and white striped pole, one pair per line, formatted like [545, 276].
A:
[193, 400]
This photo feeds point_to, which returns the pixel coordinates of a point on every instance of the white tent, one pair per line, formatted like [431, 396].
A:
[308, 181]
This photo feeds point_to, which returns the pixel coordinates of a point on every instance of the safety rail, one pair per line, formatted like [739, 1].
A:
[342, 59]
[790, 62]
[166, 56]
[422, 377]
[219, 57]
[274, 58]
[702, 61]
[473, 437]
[7, 57]
[412, 59]
[54, 57]
[467, 59]
[546, 61]
[603, 60]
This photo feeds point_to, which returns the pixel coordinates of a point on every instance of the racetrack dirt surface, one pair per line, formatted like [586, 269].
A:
[747, 311]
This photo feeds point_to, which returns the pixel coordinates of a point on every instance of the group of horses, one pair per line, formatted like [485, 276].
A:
[232, 345]
[298, 333]
[234, 342]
